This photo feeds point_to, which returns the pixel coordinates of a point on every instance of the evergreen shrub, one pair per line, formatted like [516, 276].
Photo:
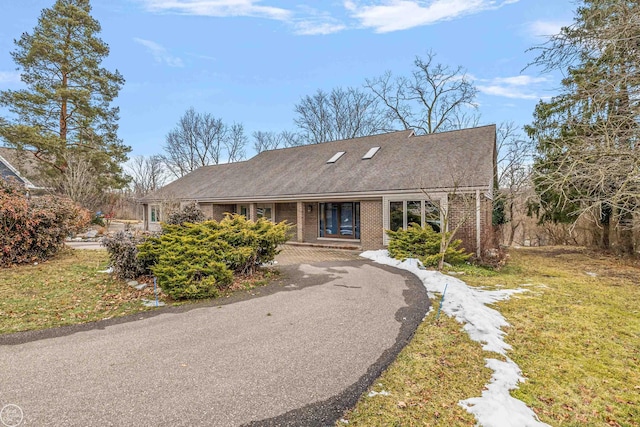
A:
[423, 243]
[198, 260]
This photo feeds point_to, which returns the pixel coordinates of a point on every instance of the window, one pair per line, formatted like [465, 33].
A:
[155, 213]
[265, 211]
[421, 212]
[432, 215]
[340, 220]
[414, 212]
[396, 216]
[372, 152]
[336, 157]
[243, 210]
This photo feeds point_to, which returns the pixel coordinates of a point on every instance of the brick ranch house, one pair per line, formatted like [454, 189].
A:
[348, 192]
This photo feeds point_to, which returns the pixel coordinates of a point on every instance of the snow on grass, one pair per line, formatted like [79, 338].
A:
[496, 407]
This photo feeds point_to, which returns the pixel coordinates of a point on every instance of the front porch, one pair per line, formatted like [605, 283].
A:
[323, 224]
[336, 224]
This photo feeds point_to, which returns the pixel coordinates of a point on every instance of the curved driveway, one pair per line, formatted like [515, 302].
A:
[299, 353]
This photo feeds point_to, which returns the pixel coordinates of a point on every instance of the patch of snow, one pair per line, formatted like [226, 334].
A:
[591, 274]
[496, 407]
[109, 270]
[376, 393]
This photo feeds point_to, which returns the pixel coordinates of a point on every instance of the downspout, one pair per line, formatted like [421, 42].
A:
[478, 248]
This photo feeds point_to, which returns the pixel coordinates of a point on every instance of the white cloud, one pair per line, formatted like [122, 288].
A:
[315, 22]
[521, 80]
[311, 27]
[545, 28]
[395, 15]
[160, 54]
[9, 77]
[507, 92]
[516, 87]
[218, 8]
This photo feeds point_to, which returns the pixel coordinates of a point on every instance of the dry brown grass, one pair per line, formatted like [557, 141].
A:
[64, 290]
[575, 335]
[68, 289]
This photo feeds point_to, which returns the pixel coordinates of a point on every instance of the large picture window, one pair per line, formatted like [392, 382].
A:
[340, 220]
[406, 212]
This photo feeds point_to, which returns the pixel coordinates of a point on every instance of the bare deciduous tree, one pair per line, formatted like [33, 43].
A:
[450, 226]
[339, 114]
[147, 174]
[81, 182]
[263, 141]
[434, 98]
[515, 157]
[235, 143]
[201, 140]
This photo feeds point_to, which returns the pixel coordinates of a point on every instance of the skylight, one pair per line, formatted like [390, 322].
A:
[335, 157]
[372, 152]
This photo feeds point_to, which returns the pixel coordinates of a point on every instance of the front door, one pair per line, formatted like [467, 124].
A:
[340, 220]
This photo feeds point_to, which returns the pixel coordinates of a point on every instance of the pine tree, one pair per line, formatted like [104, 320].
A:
[587, 137]
[64, 114]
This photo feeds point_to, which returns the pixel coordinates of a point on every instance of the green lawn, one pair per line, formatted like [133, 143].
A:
[575, 335]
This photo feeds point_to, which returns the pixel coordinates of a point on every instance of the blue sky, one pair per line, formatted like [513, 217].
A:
[250, 61]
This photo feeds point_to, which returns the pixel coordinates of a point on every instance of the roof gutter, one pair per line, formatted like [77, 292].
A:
[323, 196]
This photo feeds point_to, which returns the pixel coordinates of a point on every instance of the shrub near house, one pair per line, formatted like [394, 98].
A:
[424, 243]
[198, 260]
[34, 230]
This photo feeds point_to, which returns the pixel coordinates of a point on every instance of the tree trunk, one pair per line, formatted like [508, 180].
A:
[443, 249]
[605, 222]
[625, 233]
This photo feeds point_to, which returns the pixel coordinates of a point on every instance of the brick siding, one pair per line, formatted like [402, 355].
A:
[463, 208]
[286, 212]
[371, 229]
[311, 223]
[218, 211]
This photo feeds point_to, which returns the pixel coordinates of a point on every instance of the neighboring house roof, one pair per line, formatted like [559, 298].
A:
[447, 160]
[19, 165]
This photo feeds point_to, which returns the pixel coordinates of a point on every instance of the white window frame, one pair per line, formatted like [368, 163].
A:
[267, 206]
[154, 209]
[440, 198]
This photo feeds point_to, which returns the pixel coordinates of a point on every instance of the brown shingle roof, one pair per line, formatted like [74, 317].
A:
[456, 159]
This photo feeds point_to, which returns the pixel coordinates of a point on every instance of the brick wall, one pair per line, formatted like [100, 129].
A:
[218, 211]
[311, 223]
[286, 212]
[371, 229]
[462, 207]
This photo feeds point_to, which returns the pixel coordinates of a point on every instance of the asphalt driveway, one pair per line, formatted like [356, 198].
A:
[299, 352]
